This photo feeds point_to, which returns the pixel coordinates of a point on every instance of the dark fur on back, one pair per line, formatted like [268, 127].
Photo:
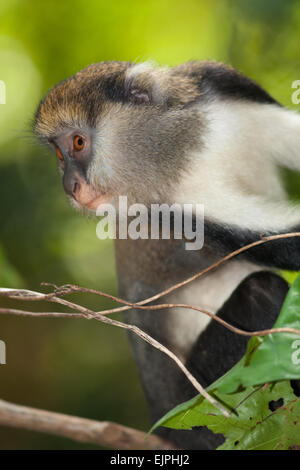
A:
[213, 78]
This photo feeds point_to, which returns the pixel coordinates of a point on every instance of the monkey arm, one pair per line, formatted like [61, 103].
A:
[224, 237]
[283, 253]
[250, 221]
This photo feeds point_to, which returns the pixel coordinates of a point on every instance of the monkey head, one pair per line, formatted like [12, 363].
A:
[121, 129]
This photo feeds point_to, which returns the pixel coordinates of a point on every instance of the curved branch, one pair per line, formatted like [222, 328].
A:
[102, 433]
[221, 261]
[90, 314]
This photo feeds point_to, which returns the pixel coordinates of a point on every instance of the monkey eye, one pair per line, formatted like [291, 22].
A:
[59, 154]
[78, 143]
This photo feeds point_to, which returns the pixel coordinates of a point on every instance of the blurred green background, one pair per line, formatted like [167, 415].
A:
[75, 366]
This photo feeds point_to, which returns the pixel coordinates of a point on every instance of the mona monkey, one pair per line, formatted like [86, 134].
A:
[200, 132]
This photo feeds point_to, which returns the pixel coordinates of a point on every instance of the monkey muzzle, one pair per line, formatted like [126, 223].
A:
[83, 193]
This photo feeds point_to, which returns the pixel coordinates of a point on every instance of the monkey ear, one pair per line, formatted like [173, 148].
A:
[138, 96]
[143, 85]
[146, 84]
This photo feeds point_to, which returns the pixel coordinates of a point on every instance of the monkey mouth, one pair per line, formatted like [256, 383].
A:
[98, 201]
[87, 197]
[93, 203]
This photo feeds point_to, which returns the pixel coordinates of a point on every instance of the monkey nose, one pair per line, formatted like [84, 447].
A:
[71, 185]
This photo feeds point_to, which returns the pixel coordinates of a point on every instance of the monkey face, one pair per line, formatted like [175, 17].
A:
[120, 129]
[74, 151]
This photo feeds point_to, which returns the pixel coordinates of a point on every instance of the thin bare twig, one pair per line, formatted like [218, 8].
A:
[227, 325]
[87, 313]
[206, 270]
[70, 289]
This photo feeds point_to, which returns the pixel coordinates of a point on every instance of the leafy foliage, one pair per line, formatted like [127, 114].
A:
[273, 357]
[252, 423]
[261, 416]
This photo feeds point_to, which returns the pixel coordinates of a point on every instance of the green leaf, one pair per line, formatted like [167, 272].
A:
[273, 357]
[266, 429]
[251, 425]
[279, 430]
